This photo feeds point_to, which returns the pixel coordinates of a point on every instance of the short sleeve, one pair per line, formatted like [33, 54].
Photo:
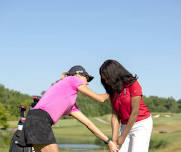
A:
[75, 108]
[76, 82]
[135, 89]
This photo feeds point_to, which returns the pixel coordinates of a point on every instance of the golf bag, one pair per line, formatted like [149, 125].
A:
[14, 146]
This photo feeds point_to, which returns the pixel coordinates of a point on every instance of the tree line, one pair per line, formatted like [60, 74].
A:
[11, 99]
[154, 104]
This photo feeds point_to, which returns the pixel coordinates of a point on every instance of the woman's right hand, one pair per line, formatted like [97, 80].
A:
[64, 74]
[113, 147]
[116, 143]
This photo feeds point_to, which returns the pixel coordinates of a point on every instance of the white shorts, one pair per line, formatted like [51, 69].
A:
[138, 138]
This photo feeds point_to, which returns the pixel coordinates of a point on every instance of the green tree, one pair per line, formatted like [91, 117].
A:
[3, 117]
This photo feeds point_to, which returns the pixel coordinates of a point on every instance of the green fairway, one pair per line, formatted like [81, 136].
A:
[170, 137]
[71, 131]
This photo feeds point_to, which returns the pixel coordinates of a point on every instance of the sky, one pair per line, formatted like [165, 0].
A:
[41, 39]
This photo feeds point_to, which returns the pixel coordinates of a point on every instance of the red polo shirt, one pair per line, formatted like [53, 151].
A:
[122, 103]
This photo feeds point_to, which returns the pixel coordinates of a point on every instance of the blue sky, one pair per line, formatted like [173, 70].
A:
[41, 39]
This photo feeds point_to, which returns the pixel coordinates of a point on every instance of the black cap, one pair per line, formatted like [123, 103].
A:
[78, 69]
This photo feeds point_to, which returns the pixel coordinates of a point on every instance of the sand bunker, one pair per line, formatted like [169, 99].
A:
[157, 116]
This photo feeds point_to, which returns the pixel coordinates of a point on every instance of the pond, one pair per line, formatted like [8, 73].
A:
[79, 147]
[81, 143]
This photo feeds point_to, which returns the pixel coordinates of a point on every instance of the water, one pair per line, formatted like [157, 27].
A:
[79, 147]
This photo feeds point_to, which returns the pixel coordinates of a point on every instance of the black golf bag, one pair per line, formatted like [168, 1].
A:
[14, 146]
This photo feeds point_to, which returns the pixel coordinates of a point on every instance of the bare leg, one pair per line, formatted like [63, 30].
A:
[46, 148]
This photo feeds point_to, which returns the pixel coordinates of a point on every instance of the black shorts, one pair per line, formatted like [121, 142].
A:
[37, 129]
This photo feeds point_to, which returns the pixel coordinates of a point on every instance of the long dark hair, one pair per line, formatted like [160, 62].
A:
[117, 75]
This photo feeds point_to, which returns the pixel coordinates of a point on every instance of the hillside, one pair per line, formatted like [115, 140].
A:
[11, 99]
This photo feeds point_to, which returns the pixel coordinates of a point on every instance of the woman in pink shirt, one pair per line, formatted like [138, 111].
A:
[59, 100]
[128, 107]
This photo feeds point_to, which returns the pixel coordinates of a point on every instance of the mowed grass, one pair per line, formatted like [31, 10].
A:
[72, 131]
[167, 123]
[170, 138]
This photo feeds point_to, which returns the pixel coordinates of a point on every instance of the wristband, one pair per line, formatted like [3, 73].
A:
[107, 141]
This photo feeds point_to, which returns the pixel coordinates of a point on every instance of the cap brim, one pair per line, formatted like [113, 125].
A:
[90, 78]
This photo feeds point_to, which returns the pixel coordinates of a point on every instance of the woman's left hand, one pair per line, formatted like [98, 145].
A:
[120, 140]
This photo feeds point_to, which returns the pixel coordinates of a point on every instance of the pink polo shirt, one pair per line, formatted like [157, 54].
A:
[60, 99]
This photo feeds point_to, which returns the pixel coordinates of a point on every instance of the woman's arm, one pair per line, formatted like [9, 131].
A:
[88, 92]
[83, 119]
[135, 104]
[115, 123]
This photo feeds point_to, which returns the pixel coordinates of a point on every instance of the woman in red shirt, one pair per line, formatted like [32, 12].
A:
[128, 107]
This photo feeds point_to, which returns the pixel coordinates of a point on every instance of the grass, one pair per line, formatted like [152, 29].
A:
[171, 139]
[5, 140]
[72, 131]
